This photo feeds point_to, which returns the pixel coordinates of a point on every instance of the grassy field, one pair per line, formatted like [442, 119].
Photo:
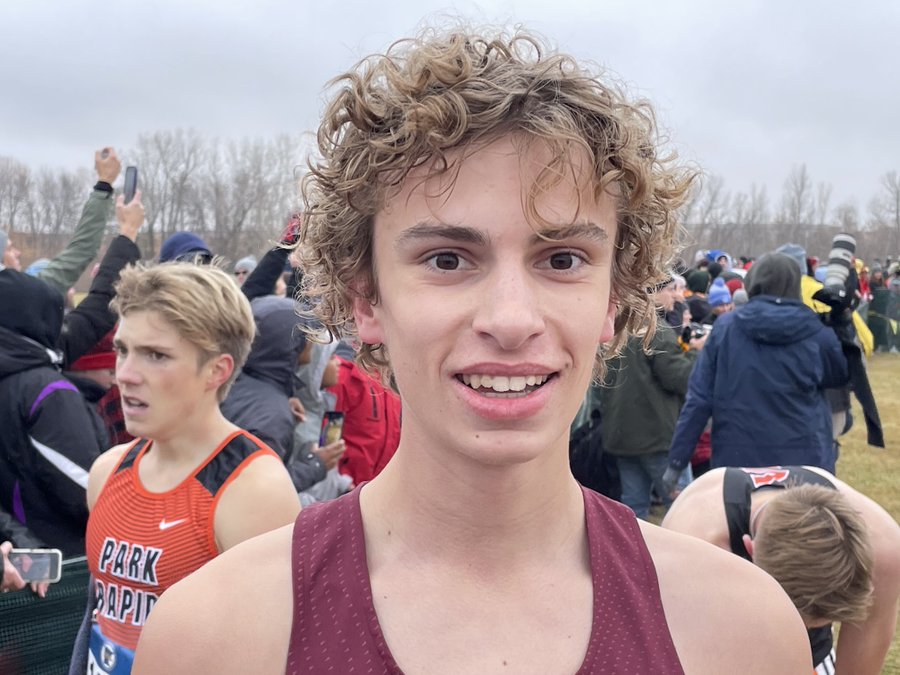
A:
[876, 471]
[873, 471]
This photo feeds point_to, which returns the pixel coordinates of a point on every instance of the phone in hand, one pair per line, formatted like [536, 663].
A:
[131, 179]
[332, 428]
[37, 565]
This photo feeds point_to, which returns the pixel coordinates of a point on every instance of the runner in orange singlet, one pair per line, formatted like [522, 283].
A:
[192, 485]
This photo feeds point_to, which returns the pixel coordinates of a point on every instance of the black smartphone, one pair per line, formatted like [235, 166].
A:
[332, 428]
[131, 179]
[37, 564]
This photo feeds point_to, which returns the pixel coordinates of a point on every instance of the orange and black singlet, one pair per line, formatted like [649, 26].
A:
[139, 542]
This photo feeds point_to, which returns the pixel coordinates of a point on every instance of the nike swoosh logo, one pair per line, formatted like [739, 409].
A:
[163, 525]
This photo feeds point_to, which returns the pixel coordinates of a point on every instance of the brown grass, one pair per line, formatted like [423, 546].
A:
[875, 471]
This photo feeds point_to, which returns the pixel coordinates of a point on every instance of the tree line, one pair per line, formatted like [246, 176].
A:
[749, 224]
[238, 194]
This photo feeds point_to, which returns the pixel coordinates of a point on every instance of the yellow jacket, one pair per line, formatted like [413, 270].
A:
[808, 287]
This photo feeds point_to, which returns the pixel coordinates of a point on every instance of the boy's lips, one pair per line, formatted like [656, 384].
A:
[132, 405]
[507, 398]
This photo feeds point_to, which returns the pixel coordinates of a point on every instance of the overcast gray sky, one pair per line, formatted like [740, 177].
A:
[746, 89]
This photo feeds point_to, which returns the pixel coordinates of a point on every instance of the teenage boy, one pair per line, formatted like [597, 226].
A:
[834, 551]
[193, 484]
[478, 202]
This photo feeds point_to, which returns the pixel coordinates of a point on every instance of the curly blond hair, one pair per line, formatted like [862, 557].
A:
[444, 91]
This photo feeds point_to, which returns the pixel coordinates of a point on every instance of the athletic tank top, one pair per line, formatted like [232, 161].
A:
[335, 627]
[737, 487]
[139, 543]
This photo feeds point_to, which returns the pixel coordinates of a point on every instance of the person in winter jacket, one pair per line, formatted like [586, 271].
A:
[640, 400]
[51, 434]
[259, 399]
[371, 421]
[762, 377]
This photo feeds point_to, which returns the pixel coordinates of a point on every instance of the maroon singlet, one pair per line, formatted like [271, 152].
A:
[335, 628]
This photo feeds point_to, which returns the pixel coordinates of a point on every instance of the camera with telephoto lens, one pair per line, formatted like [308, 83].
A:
[839, 291]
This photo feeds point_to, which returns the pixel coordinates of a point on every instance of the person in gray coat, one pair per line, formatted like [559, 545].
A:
[259, 399]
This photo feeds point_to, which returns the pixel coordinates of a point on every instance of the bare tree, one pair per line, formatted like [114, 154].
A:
[885, 211]
[15, 191]
[823, 199]
[168, 161]
[797, 208]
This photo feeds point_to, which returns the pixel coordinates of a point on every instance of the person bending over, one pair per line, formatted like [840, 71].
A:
[835, 551]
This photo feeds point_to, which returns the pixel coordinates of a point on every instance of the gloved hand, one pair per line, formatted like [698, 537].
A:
[670, 480]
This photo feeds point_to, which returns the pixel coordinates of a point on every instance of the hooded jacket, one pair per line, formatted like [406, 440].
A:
[762, 377]
[258, 400]
[643, 393]
[51, 435]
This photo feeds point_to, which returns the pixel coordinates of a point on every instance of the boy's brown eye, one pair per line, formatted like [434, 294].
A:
[446, 261]
[561, 261]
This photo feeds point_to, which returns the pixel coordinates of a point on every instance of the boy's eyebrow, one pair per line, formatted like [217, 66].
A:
[586, 229]
[429, 230]
[471, 235]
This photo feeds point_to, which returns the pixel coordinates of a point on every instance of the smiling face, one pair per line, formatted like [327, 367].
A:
[491, 330]
[164, 380]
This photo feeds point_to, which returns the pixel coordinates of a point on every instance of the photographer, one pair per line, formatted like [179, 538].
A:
[835, 302]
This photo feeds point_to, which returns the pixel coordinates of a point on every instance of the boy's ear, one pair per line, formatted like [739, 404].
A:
[220, 369]
[748, 545]
[609, 322]
[368, 326]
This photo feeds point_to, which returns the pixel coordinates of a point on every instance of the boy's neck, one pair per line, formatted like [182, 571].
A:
[489, 514]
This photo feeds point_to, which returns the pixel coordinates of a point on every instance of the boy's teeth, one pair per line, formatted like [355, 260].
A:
[502, 383]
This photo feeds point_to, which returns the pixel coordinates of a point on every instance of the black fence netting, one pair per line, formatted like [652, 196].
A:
[36, 635]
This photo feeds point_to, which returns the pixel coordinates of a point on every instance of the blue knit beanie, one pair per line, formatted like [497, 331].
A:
[719, 293]
[795, 251]
[180, 244]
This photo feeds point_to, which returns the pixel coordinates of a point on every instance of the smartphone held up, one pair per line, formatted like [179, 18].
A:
[37, 565]
[332, 428]
[131, 181]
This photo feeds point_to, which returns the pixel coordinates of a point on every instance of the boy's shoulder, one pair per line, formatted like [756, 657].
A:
[237, 610]
[712, 597]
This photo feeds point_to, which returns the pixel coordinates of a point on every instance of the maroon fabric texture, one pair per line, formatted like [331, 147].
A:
[335, 627]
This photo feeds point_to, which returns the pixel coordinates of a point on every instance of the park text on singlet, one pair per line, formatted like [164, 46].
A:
[737, 486]
[139, 543]
[335, 627]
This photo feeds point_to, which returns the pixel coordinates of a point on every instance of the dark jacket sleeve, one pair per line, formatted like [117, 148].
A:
[305, 468]
[85, 325]
[262, 279]
[835, 372]
[14, 531]
[64, 443]
[697, 406]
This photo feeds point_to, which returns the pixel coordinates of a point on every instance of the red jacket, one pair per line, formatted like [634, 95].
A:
[371, 422]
